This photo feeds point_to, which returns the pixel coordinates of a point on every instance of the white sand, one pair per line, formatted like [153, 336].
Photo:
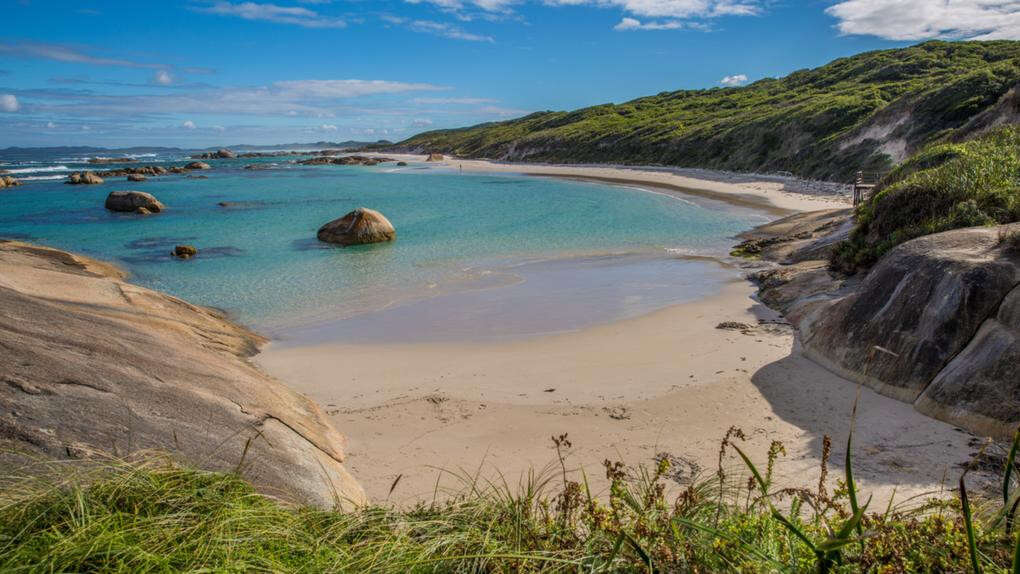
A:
[669, 381]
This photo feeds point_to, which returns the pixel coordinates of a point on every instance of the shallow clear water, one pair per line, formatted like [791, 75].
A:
[259, 258]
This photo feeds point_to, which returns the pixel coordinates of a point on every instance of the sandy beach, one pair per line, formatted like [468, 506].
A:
[666, 383]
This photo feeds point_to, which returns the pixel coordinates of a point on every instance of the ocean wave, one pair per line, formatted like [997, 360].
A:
[42, 177]
[40, 169]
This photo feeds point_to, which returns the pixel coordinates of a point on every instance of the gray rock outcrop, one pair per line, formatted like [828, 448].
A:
[936, 322]
[93, 366]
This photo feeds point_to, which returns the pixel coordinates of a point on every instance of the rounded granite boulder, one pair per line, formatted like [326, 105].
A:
[133, 202]
[360, 226]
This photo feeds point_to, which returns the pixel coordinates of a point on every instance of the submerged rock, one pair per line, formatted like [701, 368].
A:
[357, 227]
[133, 201]
[94, 366]
[135, 177]
[83, 178]
[401, 164]
[185, 251]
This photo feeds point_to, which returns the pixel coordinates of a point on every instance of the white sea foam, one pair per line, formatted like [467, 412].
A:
[41, 177]
[51, 168]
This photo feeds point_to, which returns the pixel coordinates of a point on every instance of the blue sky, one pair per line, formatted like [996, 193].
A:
[209, 72]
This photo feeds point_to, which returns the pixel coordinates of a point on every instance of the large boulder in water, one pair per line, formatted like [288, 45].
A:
[133, 201]
[8, 181]
[95, 366]
[359, 226]
[197, 165]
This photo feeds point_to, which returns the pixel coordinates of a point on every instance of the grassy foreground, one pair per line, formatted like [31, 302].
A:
[944, 186]
[158, 516]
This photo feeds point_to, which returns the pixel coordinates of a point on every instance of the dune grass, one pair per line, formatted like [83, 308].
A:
[159, 516]
[945, 186]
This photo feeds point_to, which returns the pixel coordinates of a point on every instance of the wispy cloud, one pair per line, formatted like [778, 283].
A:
[298, 89]
[734, 80]
[63, 53]
[443, 29]
[295, 15]
[923, 19]
[312, 98]
[447, 101]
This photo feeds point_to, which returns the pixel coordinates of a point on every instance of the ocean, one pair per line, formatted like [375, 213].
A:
[477, 255]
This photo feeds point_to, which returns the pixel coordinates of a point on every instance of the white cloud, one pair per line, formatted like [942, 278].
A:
[421, 122]
[635, 24]
[219, 128]
[328, 128]
[734, 80]
[189, 125]
[672, 9]
[295, 15]
[924, 19]
[163, 78]
[51, 125]
[9, 103]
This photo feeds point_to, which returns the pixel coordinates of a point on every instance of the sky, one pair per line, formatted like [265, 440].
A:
[202, 73]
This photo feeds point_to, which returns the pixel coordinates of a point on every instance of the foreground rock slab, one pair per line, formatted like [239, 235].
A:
[360, 226]
[95, 366]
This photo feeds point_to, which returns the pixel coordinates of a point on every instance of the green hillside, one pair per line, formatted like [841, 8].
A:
[824, 123]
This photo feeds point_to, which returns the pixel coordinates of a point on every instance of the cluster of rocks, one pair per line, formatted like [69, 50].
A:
[132, 173]
[8, 181]
[935, 323]
[83, 178]
[102, 160]
[218, 154]
[133, 202]
[435, 157]
[346, 160]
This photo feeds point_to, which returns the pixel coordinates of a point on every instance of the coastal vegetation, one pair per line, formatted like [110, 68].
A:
[944, 186]
[153, 515]
[864, 112]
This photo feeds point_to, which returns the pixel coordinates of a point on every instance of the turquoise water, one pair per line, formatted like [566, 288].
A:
[259, 258]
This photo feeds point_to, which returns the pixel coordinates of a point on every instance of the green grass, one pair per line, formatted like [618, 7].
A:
[801, 123]
[158, 516]
[945, 186]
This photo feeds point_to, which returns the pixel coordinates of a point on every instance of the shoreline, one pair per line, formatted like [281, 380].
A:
[668, 382]
[777, 195]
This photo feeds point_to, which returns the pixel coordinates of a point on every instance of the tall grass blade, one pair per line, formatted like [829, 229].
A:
[968, 521]
[1010, 463]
